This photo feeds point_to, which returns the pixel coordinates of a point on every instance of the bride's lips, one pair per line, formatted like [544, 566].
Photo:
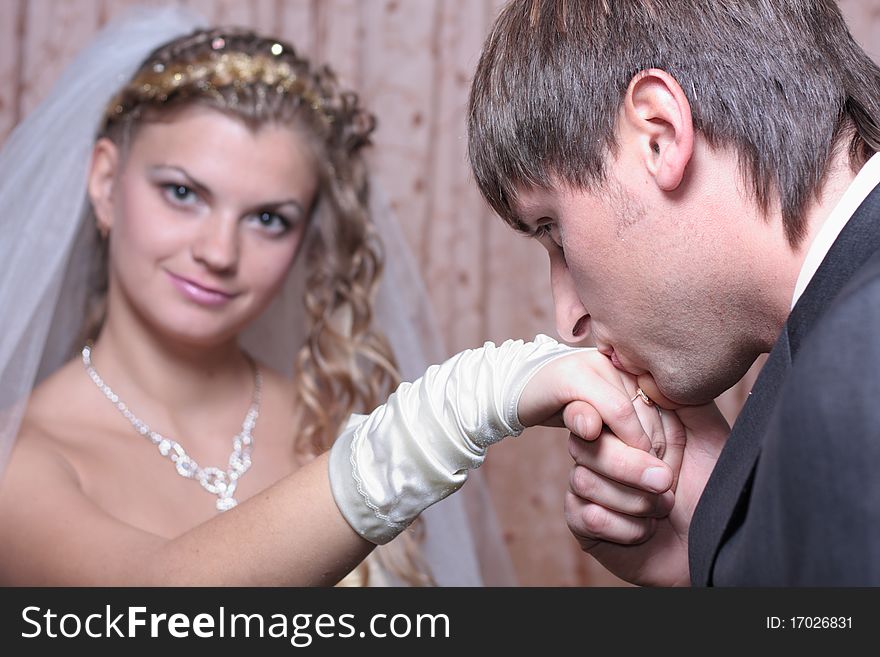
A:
[200, 294]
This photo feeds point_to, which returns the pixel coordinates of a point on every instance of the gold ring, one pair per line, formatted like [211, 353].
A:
[640, 394]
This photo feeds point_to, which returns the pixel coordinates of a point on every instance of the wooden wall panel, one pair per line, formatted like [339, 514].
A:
[11, 31]
[53, 33]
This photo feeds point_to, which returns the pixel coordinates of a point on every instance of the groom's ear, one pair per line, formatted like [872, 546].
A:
[102, 181]
[657, 118]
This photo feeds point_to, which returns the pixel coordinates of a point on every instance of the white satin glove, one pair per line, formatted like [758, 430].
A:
[388, 467]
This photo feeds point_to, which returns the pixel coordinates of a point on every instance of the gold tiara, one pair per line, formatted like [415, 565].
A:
[161, 81]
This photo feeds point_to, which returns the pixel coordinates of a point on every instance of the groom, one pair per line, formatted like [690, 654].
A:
[702, 175]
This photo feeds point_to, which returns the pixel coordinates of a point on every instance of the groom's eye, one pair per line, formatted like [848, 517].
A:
[549, 231]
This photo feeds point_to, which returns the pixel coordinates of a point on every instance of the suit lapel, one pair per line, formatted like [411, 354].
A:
[724, 502]
[857, 242]
[727, 490]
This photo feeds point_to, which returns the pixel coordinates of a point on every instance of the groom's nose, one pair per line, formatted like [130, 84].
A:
[572, 318]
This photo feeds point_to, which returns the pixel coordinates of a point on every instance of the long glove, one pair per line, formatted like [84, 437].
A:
[389, 466]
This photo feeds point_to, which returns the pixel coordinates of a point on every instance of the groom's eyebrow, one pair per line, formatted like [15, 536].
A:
[516, 219]
[521, 227]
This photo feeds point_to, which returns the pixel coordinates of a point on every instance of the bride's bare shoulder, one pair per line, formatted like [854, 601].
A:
[54, 420]
[57, 408]
[42, 502]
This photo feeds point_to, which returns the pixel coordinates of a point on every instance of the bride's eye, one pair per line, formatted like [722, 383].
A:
[179, 194]
[271, 222]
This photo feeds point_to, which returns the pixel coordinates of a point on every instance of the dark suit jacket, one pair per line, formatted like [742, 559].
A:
[794, 499]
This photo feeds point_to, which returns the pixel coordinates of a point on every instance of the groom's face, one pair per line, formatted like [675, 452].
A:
[653, 290]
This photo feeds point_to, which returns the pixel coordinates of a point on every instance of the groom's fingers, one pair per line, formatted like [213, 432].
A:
[676, 439]
[709, 426]
[592, 524]
[593, 487]
[613, 459]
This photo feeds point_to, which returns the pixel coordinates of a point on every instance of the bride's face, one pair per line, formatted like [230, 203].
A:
[205, 217]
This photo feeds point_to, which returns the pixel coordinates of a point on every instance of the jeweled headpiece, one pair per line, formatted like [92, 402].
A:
[214, 71]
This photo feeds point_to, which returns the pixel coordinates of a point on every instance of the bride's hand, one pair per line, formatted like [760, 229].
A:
[584, 391]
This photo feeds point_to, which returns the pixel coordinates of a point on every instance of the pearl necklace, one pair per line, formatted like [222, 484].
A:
[214, 480]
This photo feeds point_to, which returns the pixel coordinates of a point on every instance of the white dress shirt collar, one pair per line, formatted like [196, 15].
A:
[865, 181]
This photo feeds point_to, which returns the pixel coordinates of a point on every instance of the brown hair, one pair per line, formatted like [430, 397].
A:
[345, 365]
[780, 81]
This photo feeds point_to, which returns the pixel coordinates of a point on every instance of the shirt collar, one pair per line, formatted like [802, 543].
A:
[867, 178]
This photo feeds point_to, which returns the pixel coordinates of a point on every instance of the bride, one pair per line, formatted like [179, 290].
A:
[225, 201]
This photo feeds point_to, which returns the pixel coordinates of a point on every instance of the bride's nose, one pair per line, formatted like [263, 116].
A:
[572, 318]
[216, 244]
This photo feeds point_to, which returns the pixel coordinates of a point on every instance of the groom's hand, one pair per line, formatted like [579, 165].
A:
[632, 510]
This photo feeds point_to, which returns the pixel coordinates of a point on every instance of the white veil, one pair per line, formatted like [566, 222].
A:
[46, 245]
[48, 250]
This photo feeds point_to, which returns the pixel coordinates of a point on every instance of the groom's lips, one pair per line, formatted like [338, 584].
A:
[608, 350]
[615, 360]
